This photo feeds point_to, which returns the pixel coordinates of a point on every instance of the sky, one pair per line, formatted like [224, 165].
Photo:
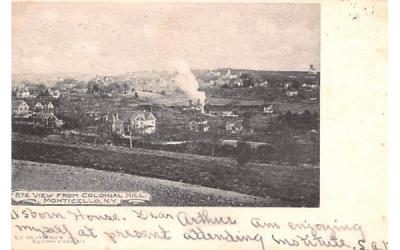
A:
[114, 38]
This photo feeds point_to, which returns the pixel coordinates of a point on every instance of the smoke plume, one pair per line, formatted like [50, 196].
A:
[186, 81]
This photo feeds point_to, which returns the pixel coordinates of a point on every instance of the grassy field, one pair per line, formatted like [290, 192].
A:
[294, 185]
[29, 175]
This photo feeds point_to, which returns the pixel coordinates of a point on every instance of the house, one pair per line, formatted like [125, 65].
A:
[49, 108]
[262, 84]
[292, 93]
[99, 117]
[20, 108]
[38, 107]
[143, 122]
[80, 90]
[46, 120]
[234, 126]
[199, 125]
[56, 94]
[236, 83]
[268, 110]
[104, 80]
[214, 73]
[53, 93]
[22, 92]
[287, 85]
[309, 86]
[229, 75]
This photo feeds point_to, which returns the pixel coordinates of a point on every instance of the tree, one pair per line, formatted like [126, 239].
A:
[215, 139]
[95, 88]
[246, 121]
[243, 154]
[248, 80]
[126, 87]
[41, 88]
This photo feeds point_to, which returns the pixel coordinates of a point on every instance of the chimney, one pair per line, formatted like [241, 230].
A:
[116, 116]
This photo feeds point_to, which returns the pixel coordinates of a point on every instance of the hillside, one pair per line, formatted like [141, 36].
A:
[48, 79]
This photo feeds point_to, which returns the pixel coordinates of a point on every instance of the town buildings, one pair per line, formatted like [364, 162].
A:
[37, 114]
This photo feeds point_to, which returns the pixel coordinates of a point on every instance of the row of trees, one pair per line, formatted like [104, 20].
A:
[297, 121]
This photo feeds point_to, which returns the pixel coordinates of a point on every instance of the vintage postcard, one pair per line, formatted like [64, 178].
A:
[199, 125]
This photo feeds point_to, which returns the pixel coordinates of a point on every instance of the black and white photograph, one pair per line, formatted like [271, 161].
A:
[192, 104]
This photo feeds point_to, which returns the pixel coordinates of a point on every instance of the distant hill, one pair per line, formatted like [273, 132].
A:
[49, 79]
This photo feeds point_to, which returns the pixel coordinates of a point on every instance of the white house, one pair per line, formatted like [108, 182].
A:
[54, 93]
[263, 84]
[292, 93]
[20, 108]
[143, 122]
[268, 110]
[310, 86]
[22, 92]
[234, 126]
[49, 107]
